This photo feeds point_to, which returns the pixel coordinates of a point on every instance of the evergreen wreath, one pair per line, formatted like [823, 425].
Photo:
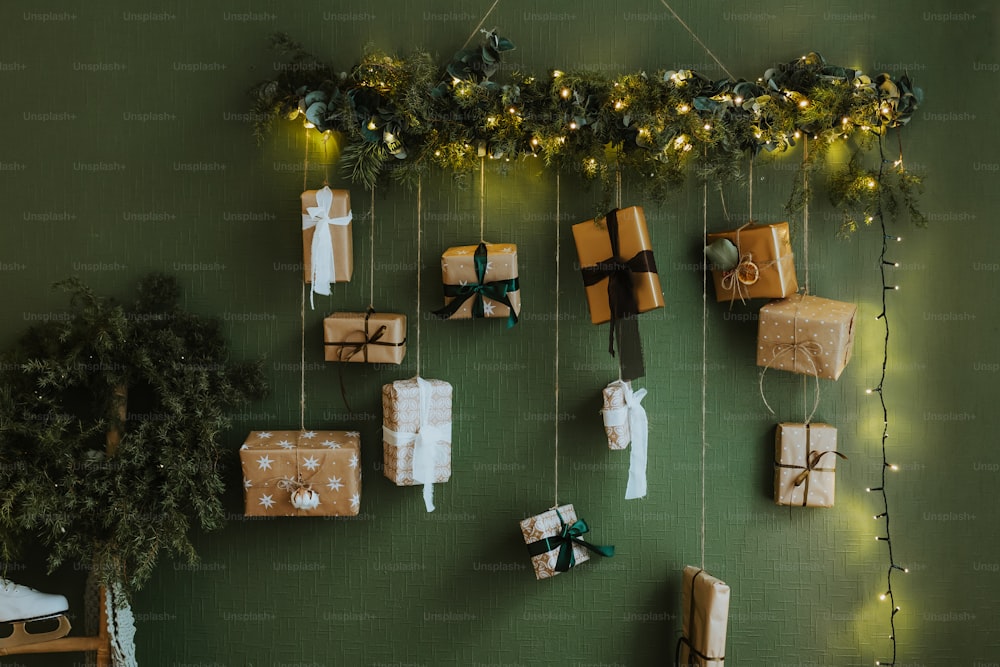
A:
[111, 424]
[398, 116]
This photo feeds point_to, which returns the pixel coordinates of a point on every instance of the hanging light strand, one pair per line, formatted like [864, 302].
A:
[884, 515]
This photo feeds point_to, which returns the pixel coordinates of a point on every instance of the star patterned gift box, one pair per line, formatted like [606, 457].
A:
[278, 464]
[480, 281]
[806, 334]
[766, 267]
[805, 464]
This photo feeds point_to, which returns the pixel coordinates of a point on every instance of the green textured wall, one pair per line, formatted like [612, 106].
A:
[89, 188]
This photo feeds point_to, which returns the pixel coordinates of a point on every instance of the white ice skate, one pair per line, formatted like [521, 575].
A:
[20, 605]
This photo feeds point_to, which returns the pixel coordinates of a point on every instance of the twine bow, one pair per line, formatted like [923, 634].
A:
[812, 465]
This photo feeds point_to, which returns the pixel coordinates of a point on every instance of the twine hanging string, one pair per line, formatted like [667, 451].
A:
[371, 264]
[704, 364]
[805, 261]
[698, 39]
[618, 204]
[302, 308]
[420, 191]
[558, 253]
[481, 22]
[482, 199]
[750, 190]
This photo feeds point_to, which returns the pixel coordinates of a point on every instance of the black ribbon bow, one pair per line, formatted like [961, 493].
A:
[621, 299]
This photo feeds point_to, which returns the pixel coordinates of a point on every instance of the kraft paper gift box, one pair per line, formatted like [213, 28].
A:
[633, 260]
[805, 464]
[766, 266]
[705, 601]
[321, 466]
[554, 542]
[416, 433]
[327, 242]
[481, 281]
[806, 334]
[371, 337]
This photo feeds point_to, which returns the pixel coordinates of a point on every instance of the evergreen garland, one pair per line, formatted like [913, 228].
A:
[399, 116]
[111, 426]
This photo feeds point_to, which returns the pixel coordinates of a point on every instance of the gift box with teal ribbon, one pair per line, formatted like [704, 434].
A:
[555, 542]
[480, 281]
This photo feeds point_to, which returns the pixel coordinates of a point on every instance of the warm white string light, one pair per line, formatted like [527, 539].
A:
[884, 515]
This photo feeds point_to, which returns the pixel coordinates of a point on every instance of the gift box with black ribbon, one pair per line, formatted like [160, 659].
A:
[619, 275]
[480, 281]
[805, 464]
[369, 337]
[554, 541]
[705, 602]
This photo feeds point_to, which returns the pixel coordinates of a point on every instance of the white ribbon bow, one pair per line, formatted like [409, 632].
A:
[425, 440]
[321, 253]
[638, 424]
[638, 435]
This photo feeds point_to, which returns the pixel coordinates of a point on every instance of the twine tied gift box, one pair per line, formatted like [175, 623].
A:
[554, 541]
[805, 464]
[369, 337]
[416, 433]
[327, 241]
[765, 265]
[480, 281]
[302, 473]
[806, 334]
[705, 602]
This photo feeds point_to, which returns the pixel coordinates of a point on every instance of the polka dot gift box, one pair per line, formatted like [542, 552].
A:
[806, 334]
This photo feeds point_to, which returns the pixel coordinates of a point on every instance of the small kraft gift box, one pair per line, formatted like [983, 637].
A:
[554, 542]
[369, 337]
[761, 266]
[416, 433]
[302, 473]
[327, 242]
[480, 281]
[806, 334]
[805, 464]
[705, 602]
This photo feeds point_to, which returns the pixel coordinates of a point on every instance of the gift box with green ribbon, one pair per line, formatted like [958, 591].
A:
[302, 473]
[805, 464]
[480, 281]
[555, 543]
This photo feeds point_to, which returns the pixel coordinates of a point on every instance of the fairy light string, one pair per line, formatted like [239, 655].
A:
[887, 287]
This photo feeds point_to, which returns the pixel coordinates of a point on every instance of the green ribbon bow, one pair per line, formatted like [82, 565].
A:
[569, 534]
[497, 290]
